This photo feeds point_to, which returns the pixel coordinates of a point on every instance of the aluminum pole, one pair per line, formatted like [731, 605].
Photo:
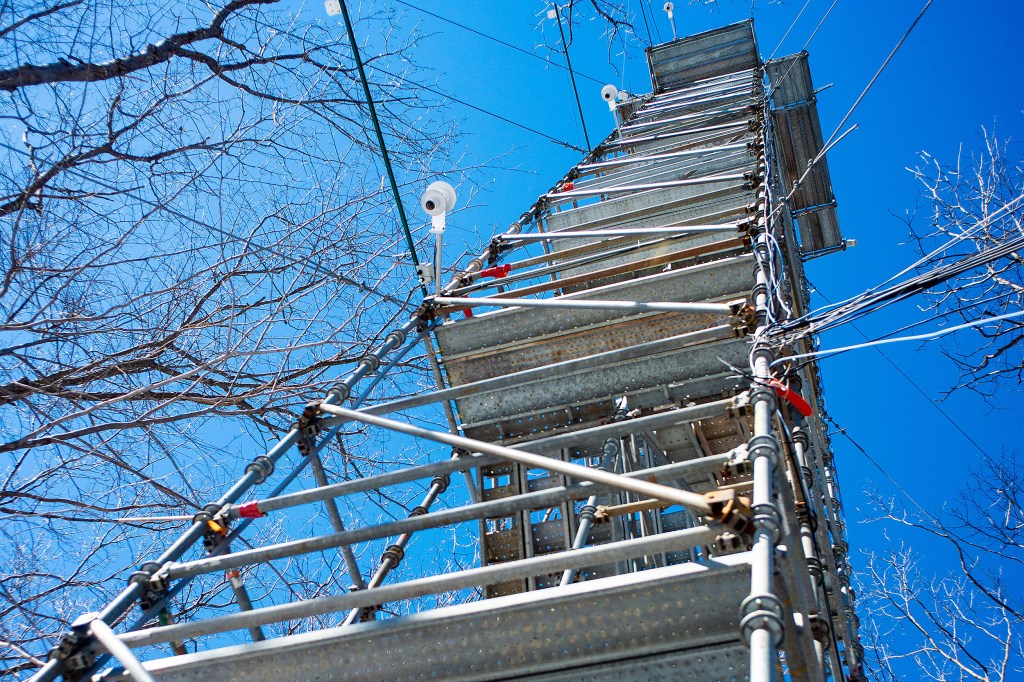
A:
[487, 575]
[626, 232]
[631, 159]
[691, 501]
[643, 187]
[490, 509]
[106, 637]
[632, 306]
[762, 614]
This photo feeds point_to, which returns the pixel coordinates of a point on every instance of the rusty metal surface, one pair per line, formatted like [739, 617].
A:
[510, 330]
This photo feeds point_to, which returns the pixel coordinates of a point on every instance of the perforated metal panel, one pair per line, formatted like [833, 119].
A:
[679, 622]
[707, 55]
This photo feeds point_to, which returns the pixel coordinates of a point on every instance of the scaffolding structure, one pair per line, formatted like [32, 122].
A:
[651, 481]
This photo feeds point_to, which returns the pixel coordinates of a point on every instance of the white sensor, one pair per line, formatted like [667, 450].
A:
[436, 202]
[438, 199]
[668, 10]
[609, 93]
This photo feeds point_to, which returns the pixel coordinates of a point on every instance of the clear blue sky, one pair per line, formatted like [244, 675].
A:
[963, 67]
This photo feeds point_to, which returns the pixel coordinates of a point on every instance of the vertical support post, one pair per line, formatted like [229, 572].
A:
[394, 553]
[820, 624]
[761, 612]
[234, 577]
[334, 515]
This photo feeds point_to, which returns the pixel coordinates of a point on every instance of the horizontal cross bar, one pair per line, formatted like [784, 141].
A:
[643, 187]
[730, 308]
[625, 232]
[487, 575]
[505, 381]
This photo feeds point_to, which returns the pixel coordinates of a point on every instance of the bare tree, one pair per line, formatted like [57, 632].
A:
[194, 241]
[975, 204]
[965, 622]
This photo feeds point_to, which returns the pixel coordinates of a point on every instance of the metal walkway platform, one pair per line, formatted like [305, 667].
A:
[678, 624]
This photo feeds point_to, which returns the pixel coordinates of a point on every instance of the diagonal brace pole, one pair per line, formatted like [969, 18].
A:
[692, 501]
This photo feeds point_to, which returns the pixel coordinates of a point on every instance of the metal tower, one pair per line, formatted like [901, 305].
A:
[653, 486]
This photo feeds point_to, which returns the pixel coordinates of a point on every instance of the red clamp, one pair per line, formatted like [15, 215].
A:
[250, 510]
[567, 187]
[792, 397]
[468, 312]
[497, 272]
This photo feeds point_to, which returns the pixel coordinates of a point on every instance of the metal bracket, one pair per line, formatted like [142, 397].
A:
[425, 273]
[605, 513]
[76, 649]
[308, 425]
[215, 532]
[744, 319]
[731, 510]
[154, 582]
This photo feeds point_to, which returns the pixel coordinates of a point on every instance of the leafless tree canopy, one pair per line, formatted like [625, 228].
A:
[979, 203]
[192, 227]
[959, 621]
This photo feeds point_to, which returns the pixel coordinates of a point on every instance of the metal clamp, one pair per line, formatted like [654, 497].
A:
[76, 649]
[761, 611]
[396, 337]
[154, 583]
[308, 426]
[441, 482]
[263, 466]
[339, 393]
[394, 554]
[730, 510]
[767, 518]
[765, 446]
[215, 532]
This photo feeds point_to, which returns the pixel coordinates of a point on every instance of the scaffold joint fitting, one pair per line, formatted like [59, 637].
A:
[761, 393]
[262, 466]
[762, 611]
[441, 483]
[768, 519]
[730, 510]
[394, 554]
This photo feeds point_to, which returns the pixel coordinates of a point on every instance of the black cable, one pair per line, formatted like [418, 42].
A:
[832, 138]
[572, 76]
[840, 430]
[380, 138]
[480, 109]
[910, 381]
[490, 37]
[657, 30]
[647, 26]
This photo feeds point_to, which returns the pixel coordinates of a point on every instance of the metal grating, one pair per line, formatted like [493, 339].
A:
[670, 620]
[703, 56]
